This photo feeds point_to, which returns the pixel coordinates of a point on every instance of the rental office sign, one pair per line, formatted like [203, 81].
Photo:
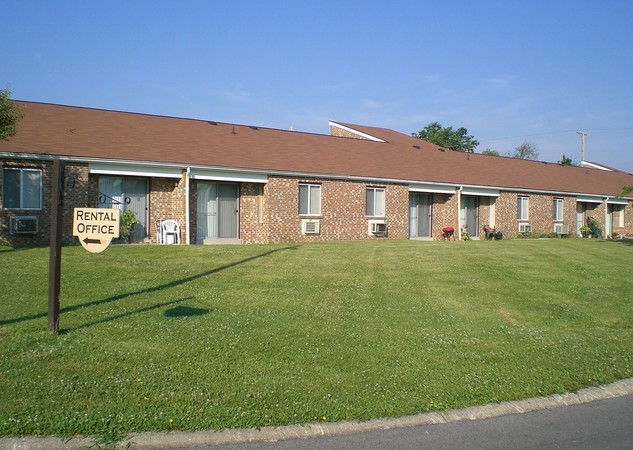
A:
[96, 227]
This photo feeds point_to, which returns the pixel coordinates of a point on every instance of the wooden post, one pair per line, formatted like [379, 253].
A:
[55, 260]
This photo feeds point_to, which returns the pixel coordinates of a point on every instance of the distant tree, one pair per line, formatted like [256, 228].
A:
[527, 150]
[566, 161]
[490, 152]
[10, 115]
[458, 140]
[626, 190]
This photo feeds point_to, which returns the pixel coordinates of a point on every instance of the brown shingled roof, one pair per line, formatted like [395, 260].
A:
[77, 132]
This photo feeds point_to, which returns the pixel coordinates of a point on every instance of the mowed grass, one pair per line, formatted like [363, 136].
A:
[210, 337]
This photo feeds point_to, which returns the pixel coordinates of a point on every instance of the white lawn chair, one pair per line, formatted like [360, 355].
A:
[170, 232]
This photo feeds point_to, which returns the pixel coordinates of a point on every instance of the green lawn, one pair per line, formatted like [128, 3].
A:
[209, 337]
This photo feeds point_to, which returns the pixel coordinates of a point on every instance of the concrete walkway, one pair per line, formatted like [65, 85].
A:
[209, 438]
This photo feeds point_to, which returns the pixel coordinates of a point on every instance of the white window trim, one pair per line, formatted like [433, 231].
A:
[310, 186]
[21, 206]
[559, 208]
[524, 208]
[383, 205]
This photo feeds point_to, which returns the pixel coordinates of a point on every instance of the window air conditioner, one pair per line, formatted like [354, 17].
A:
[559, 228]
[525, 228]
[23, 225]
[378, 228]
[309, 226]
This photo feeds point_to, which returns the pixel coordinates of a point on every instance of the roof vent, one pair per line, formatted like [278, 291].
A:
[254, 128]
[416, 146]
[211, 123]
[441, 149]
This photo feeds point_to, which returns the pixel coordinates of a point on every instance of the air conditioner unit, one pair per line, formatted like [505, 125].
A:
[559, 228]
[23, 225]
[525, 228]
[378, 228]
[310, 226]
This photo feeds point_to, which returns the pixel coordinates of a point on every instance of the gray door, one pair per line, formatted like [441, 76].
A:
[420, 215]
[217, 210]
[469, 214]
[227, 199]
[126, 193]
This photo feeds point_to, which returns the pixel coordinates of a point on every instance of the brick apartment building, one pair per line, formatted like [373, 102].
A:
[228, 183]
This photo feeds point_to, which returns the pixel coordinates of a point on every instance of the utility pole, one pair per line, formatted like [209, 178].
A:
[582, 145]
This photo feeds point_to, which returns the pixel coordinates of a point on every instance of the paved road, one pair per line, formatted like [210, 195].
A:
[603, 424]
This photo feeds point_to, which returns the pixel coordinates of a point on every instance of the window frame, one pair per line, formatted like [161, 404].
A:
[523, 208]
[21, 188]
[376, 200]
[310, 209]
[559, 207]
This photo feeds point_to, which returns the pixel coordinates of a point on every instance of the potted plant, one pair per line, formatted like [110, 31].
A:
[585, 231]
[128, 221]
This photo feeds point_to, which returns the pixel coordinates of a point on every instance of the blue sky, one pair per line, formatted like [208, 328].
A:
[508, 71]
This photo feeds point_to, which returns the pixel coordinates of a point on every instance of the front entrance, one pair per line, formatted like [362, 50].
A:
[217, 210]
[469, 215]
[420, 216]
[126, 194]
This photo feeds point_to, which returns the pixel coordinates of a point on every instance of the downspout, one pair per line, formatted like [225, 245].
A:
[459, 213]
[607, 232]
[187, 212]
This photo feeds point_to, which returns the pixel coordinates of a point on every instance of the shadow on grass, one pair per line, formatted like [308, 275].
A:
[145, 291]
[186, 311]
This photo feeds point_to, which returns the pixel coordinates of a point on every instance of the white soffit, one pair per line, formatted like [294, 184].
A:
[618, 201]
[135, 170]
[225, 175]
[589, 199]
[479, 191]
[431, 188]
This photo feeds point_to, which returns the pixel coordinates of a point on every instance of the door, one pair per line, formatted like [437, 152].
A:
[126, 193]
[217, 210]
[469, 215]
[420, 215]
[580, 216]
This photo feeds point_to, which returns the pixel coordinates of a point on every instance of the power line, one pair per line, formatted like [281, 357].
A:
[549, 133]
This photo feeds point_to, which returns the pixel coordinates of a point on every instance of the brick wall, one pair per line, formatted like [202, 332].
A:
[342, 210]
[269, 213]
[253, 226]
[339, 132]
[78, 191]
[167, 201]
[540, 216]
[443, 214]
[627, 229]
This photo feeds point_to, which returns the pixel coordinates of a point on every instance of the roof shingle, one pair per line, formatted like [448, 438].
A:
[77, 132]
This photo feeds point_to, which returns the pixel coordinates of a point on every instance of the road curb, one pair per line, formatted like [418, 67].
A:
[269, 434]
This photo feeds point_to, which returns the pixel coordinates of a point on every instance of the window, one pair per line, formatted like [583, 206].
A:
[375, 202]
[310, 199]
[618, 212]
[21, 188]
[523, 206]
[558, 210]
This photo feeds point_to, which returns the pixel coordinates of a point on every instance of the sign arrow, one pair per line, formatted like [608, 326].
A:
[92, 241]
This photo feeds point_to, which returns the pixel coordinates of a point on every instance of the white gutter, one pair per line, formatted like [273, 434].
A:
[265, 173]
[187, 207]
[459, 213]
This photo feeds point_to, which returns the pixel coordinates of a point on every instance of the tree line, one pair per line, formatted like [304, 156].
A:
[460, 141]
